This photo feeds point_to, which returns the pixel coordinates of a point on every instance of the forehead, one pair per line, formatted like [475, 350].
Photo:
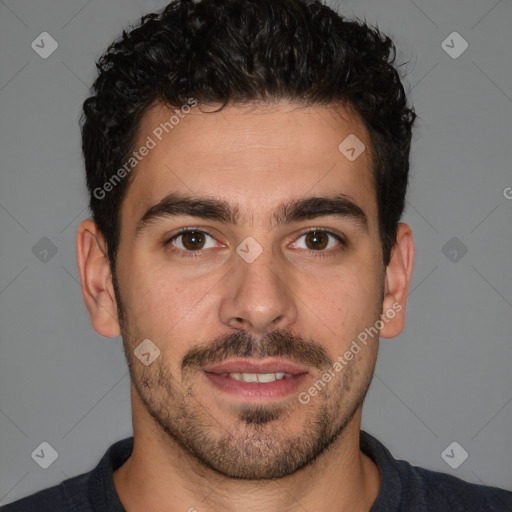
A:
[252, 157]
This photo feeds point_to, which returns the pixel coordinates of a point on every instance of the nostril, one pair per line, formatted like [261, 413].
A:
[278, 319]
[240, 323]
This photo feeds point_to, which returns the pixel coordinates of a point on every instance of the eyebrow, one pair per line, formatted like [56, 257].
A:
[204, 207]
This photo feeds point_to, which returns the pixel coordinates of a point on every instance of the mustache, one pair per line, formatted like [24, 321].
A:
[278, 343]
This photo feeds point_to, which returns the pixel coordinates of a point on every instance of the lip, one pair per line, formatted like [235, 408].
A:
[255, 392]
[256, 366]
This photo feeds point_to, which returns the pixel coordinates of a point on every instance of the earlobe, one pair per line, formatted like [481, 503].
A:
[96, 279]
[397, 281]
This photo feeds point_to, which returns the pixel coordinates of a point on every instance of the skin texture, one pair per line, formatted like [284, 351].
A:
[196, 446]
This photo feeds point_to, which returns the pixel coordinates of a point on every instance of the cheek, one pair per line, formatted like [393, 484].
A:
[345, 303]
[165, 304]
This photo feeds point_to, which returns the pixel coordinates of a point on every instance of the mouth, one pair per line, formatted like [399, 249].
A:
[257, 380]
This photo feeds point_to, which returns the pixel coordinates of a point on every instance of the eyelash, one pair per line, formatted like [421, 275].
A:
[320, 254]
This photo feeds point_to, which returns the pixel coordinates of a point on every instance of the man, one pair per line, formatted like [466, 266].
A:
[247, 165]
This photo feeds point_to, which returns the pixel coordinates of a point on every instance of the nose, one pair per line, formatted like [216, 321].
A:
[258, 296]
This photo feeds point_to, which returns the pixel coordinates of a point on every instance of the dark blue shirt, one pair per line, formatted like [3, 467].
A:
[403, 487]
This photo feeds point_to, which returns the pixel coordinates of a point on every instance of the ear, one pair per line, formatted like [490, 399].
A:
[397, 280]
[96, 279]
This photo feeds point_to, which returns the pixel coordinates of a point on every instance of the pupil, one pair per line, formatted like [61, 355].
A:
[315, 236]
[192, 238]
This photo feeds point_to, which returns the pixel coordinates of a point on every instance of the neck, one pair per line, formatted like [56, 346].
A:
[161, 475]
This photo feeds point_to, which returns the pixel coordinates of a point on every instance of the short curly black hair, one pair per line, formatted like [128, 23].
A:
[245, 51]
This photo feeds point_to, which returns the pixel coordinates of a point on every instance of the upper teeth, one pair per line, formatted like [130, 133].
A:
[258, 377]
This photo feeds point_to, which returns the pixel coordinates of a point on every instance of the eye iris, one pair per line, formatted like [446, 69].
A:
[193, 240]
[314, 236]
[192, 237]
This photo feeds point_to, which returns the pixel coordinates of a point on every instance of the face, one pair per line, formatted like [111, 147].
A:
[255, 280]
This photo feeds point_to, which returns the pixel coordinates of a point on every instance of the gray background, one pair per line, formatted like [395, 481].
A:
[446, 378]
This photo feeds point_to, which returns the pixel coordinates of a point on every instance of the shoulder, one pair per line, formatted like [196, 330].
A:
[405, 487]
[70, 495]
[87, 492]
[440, 491]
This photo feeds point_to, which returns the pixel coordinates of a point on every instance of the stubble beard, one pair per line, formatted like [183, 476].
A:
[258, 443]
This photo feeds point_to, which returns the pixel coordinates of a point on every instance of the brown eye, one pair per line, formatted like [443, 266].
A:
[317, 240]
[320, 241]
[193, 240]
